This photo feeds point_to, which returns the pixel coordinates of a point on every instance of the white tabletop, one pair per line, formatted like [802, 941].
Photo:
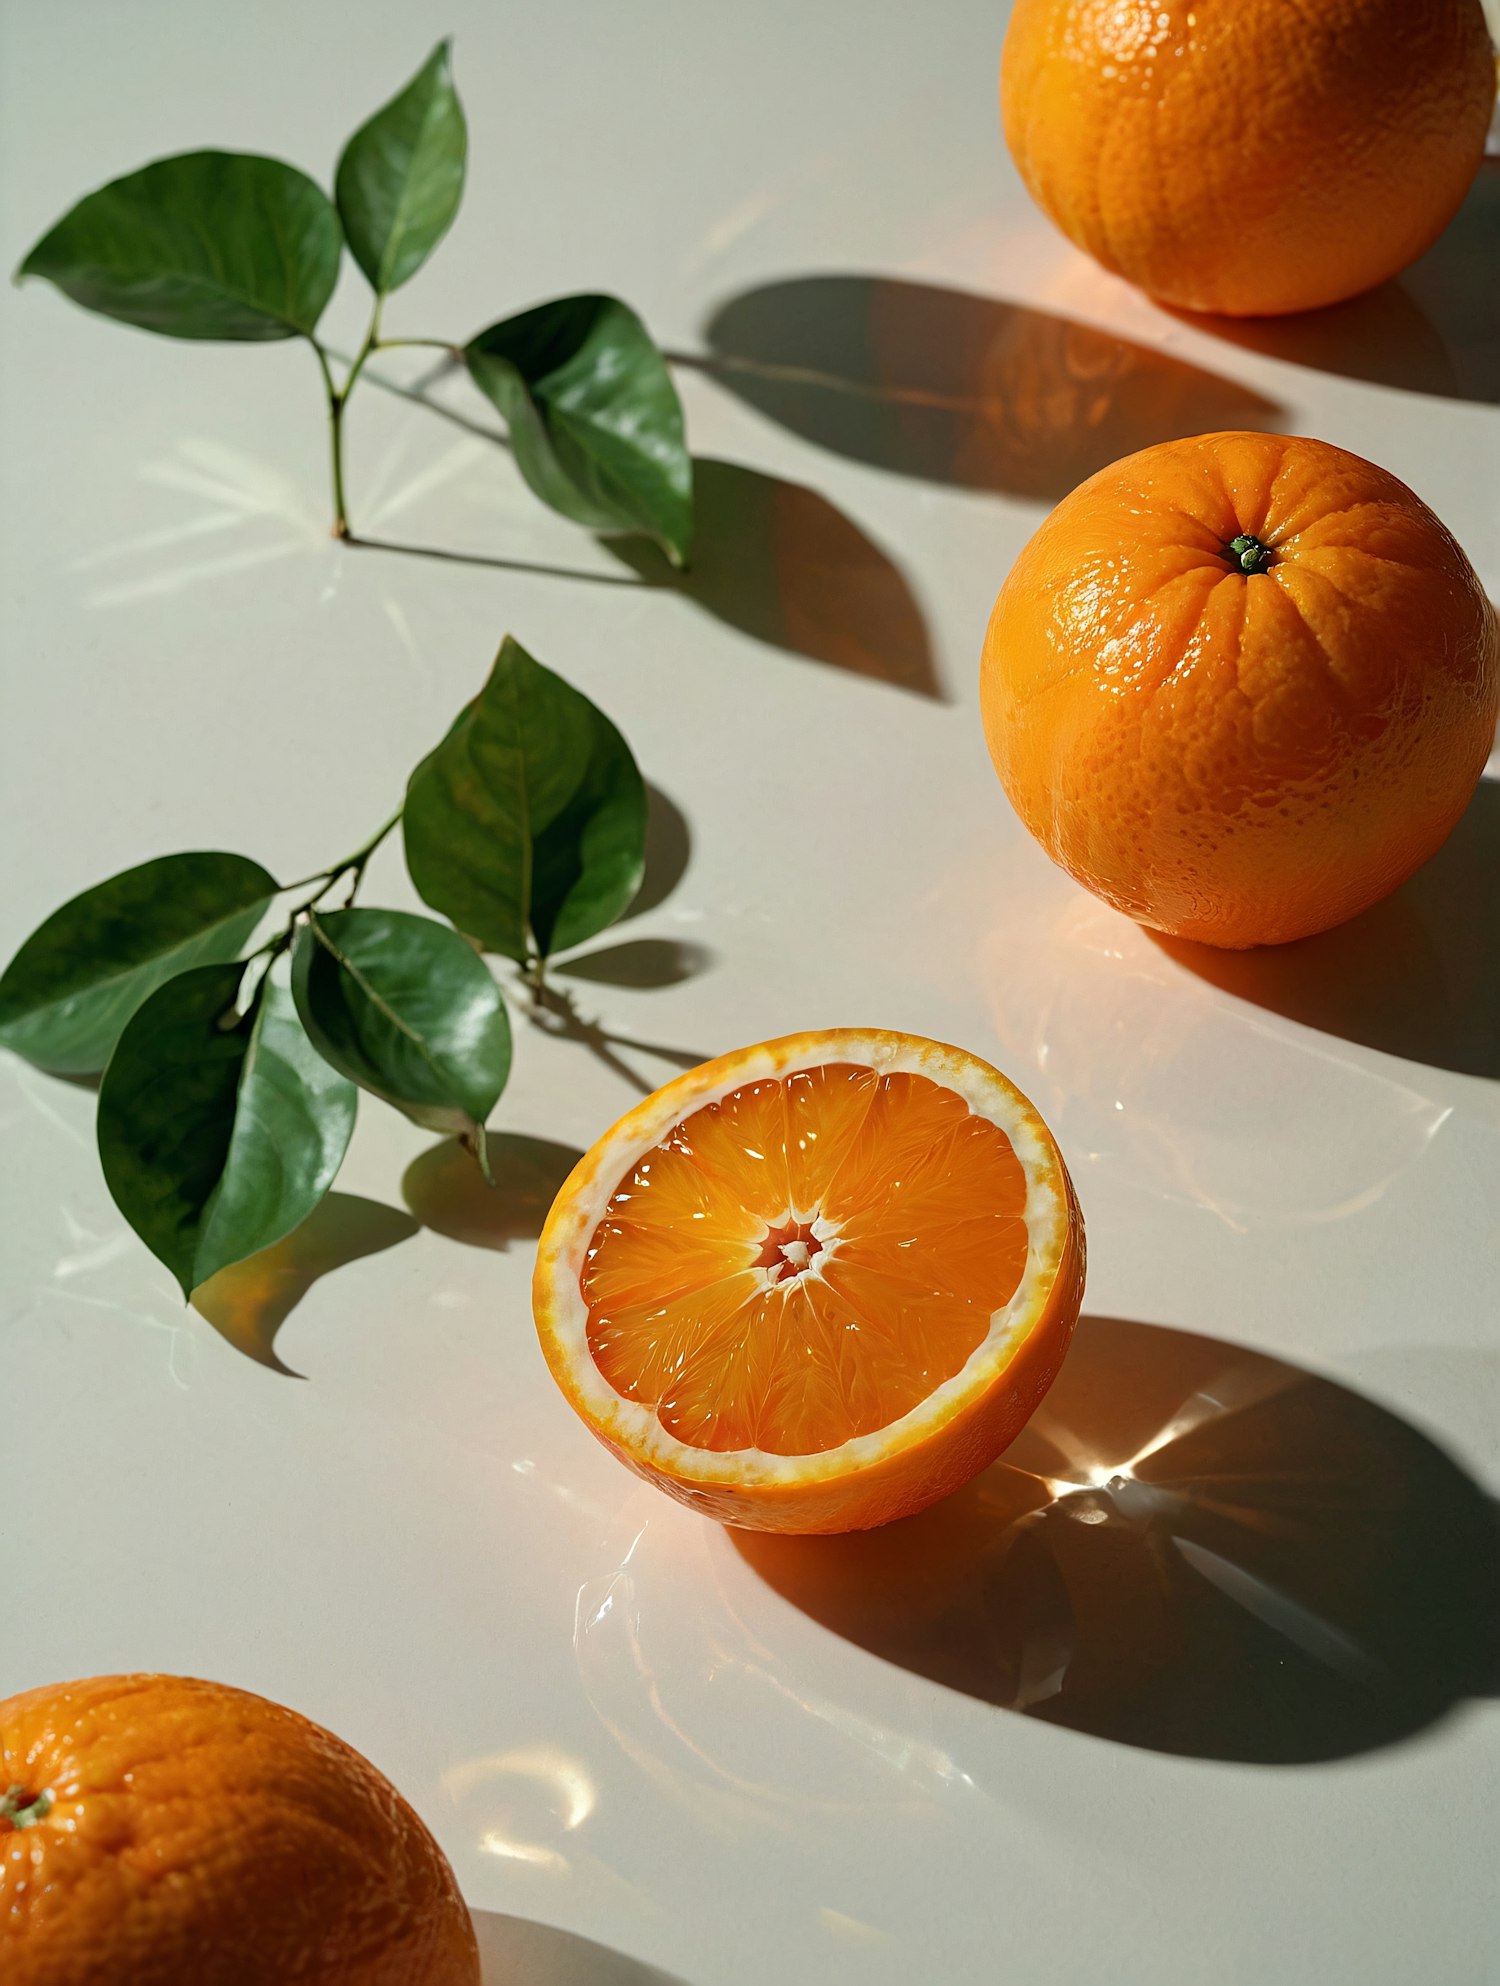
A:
[1222, 1722]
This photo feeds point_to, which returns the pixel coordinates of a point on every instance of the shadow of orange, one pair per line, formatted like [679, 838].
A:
[958, 388]
[1435, 329]
[513, 1950]
[1193, 1547]
[1416, 976]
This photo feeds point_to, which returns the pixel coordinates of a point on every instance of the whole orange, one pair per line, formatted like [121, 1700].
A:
[163, 1832]
[1241, 686]
[1247, 156]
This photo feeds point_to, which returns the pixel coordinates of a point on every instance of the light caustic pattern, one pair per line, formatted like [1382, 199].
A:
[805, 1260]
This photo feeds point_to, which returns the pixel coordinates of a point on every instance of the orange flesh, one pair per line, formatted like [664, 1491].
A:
[805, 1260]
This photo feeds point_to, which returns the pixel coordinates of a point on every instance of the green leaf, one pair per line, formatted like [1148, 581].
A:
[76, 981]
[527, 826]
[405, 1008]
[218, 1133]
[203, 245]
[593, 415]
[401, 176]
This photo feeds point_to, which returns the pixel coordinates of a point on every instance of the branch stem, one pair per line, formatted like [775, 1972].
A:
[335, 441]
[338, 399]
[354, 865]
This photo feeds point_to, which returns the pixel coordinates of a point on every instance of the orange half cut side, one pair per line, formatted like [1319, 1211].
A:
[815, 1284]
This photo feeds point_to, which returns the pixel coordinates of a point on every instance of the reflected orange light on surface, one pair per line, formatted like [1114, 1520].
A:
[568, 1793]
[1192, 1547]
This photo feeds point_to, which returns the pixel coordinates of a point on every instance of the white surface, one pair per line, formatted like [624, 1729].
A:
[614, 1723]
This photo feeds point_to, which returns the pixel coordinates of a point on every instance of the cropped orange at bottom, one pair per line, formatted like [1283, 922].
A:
[159, 1831]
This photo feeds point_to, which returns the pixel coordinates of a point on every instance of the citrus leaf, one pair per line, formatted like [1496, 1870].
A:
[527, 826]
[401, 176]
[79, 977]
[203, 245]
[218, 1133]
[404, 1007]
[593, 415]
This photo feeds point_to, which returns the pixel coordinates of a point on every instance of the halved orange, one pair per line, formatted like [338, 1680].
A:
[816, 1284]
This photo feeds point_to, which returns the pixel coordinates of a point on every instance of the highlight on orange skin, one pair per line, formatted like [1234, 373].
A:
[816, 1284]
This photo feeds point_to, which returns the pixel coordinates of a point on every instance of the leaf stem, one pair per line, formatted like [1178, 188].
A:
[317, 876]
[355, 865]
[335, 441]
[338, 399]
[371, 344]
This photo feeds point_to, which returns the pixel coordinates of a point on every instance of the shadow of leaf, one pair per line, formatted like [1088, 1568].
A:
[1416, 976]
[669, 849]
[515, 1949]
[772, 558]
[445, 1191]
[558, 1013]
[957, 388]
[640, 962]
[491, 561]
[779, 562]
[1192, 1547]
[248, 1302]
[1435, 329]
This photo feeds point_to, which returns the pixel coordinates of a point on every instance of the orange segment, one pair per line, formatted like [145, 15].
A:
[831, 1257]
[908, 1119]
[668, 1189]
[649, 1349]
[913, 1336]
[740, 1142]
[825, 1112]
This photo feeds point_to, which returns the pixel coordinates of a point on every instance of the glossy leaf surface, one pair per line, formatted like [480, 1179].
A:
[405, 1007]
[203, 245]
[401, 176]
[217, 1133]
[594, 418]
[527, 826]
[68, 992]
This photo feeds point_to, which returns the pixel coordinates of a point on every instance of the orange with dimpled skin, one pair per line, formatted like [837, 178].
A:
[816, 1284]
[1247, 156]
[1241, 686]
[159, 1831]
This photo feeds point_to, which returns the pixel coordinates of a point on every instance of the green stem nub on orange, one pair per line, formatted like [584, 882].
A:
[23, 1809]
[1249, 554]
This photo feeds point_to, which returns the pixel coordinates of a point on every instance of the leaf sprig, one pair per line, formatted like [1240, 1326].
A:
[230, 1079]
[232, 246]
